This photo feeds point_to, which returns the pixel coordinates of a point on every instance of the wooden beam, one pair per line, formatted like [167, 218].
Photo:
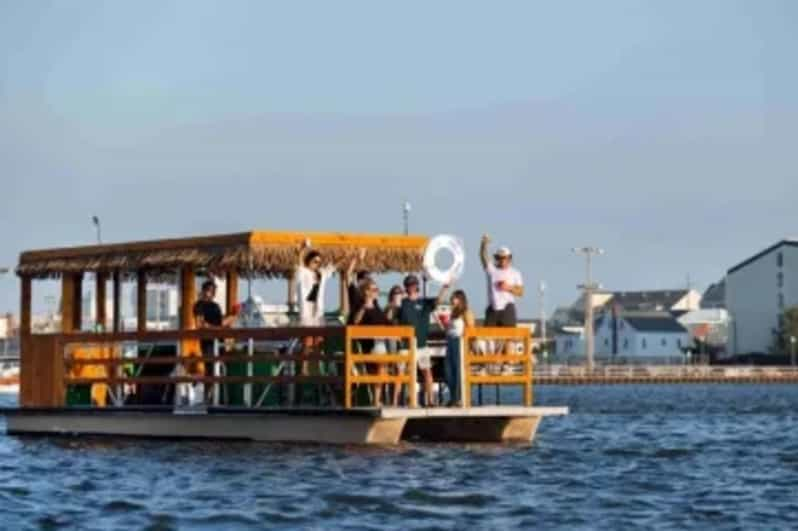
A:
[141, 301]
[77, 301]
[343, 294]
[101, 299]
[117, 326]
[292, 305]
[69, 287]
[188, 296]
[231, 295]
[26, 295]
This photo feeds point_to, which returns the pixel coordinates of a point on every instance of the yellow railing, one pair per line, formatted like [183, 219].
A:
[496, 350]
[399, 334]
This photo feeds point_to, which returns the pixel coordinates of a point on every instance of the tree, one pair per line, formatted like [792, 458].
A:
[788, 327]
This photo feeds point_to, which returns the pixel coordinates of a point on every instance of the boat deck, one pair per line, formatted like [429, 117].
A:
[306, 425]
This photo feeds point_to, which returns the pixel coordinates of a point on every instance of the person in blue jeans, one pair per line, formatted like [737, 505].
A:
[461, 318]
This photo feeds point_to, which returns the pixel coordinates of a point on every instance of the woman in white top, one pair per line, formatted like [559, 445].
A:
[461, 318]
[311, 281]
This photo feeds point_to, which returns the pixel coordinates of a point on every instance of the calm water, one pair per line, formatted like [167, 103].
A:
[669, 457]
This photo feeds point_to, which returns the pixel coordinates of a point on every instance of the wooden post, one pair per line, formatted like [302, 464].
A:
[71, 291]
[291, 293]
[141, 302]
[348, 370]
[528, 371]
[100, 299]
[466, 368]
[117, 327]
[343, 294]
[412, 366]
[231, 295]
[188, 296]
[26, 295]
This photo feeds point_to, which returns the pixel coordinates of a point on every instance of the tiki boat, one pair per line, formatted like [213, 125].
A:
[288, 383]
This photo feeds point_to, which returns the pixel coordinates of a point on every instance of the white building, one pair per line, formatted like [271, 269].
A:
[634, 337]
[758, 291]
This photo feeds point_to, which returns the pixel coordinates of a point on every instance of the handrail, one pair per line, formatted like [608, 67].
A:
[405, 334]
[472, 359]
[95, 359]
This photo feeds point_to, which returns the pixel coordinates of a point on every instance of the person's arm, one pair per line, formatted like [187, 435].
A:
[470, 322]
[483, 252]
[301, 254]
[368, 304]
[517, 288]
[199, 319]
[441, 295]
[350, 271]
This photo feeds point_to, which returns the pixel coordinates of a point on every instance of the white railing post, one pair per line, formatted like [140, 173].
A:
[250, 373]
[216, 366]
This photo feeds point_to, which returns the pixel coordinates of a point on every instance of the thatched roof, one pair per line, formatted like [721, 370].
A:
[260, 253]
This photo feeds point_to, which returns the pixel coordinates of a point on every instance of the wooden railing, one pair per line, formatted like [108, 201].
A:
[90, 359]
[497, 356]
[404, 364]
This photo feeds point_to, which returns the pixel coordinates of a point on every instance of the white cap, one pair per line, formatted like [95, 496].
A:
[503, 251]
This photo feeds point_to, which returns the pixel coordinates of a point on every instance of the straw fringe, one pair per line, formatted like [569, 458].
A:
[257, 260]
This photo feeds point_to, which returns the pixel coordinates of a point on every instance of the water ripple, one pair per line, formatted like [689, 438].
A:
[628, 457]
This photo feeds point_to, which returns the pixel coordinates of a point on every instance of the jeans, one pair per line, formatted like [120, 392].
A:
[452, 367]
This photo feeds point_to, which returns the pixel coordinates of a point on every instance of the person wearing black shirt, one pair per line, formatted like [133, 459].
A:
[208, 315]
[370, 314]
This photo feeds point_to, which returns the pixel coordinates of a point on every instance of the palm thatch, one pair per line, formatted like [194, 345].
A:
[266, 254]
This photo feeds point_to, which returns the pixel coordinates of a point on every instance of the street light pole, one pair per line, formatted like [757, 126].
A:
[542, 291]
[792, 350]
[589, 287]
[96, 221]
[406, 208]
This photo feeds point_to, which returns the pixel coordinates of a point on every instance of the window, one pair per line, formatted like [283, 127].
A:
[780, 259]
[664, 342]
[679, 343]
[626, 344]
[780, 279]
[644, 344]
[781, 301]
[606, 342]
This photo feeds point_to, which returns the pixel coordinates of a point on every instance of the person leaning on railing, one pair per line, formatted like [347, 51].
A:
[370, 314]
[461, 318]
[415, 311]
[208, 316]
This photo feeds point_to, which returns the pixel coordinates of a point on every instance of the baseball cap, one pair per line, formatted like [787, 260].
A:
[503, 252]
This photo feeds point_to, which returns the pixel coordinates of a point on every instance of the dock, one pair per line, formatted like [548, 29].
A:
[663, 374]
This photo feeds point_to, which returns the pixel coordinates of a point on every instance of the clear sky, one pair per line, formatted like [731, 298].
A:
[665, 132]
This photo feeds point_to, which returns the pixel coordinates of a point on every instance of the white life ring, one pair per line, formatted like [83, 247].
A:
[437, 244]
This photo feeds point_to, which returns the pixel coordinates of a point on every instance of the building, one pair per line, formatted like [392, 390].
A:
[675, 301]
[714, 297]
[758, 290]
[709, 331]
[629, 337]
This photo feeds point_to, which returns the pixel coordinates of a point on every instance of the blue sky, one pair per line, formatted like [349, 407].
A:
[662, 131]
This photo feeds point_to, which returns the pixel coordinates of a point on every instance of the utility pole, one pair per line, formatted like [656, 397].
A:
[542, 292]
[792, 350]
[589, 287]
[406, 208]
[96, 221]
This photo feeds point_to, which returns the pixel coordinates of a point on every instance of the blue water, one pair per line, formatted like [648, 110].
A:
[628, 457]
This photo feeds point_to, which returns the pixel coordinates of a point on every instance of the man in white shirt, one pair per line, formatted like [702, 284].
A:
[505, 284]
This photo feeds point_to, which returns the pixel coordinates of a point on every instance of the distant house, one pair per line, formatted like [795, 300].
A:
[709, 327]
[675, 301]
[758, 290]
[629, 337]
[714, 297]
